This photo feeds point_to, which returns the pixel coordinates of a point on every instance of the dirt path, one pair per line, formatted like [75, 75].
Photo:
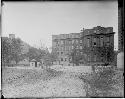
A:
[60, 86]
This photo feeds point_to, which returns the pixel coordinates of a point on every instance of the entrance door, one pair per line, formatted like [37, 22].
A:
[35, 64]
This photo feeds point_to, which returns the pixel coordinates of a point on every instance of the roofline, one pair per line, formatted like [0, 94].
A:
[99, 34]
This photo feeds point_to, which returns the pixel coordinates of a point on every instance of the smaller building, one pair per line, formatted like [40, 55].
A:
[33, 63]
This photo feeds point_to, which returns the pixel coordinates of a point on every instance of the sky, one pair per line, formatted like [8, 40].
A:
[36, 22]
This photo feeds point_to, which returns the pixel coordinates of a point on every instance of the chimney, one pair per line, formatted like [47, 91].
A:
[11, 36]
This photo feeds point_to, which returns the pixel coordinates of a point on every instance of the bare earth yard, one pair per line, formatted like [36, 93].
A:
[57, 81]
[18, 82]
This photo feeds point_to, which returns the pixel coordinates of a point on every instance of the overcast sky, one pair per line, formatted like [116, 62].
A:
[35, 22]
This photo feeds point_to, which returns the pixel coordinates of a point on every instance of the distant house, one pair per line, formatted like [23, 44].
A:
[34, 63]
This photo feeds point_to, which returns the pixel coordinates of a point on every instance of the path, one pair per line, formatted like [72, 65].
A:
[64, 85]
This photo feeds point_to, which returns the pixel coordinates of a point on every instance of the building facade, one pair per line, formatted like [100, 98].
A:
[94, 46]
[98, 45]
[63, 44]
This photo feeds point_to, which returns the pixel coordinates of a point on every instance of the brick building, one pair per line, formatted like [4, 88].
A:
[63, 44]
[96, 42]
[94, 46]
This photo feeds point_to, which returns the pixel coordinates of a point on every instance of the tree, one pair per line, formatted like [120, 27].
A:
[16, 49]
[106, 52]
[6, 46]
[11, 50]
[53, 55]
[102, 81]
[33, 53]
[75, 55]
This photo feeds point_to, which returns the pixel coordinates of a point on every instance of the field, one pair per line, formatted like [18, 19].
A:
[57, 81]
[18, 82]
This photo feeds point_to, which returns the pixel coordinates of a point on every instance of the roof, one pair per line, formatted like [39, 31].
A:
[33, 60]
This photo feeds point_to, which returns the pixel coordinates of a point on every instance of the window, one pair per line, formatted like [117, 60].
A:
[80, 47]
[70, 48]
[94, 41]
[70, 42]
[61, 59]
[95, 58]
[73, 41]
[66, 48]
[80, 41]
[94, 31]
[88, 42]
[88, 58]
[77, 41]
[77, 47]
[61, 52]
[108, 41]
[81, 53]
[61, 42]
[101, 41]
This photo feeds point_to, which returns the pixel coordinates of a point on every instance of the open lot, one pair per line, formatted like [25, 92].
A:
[57, 81]
[19, 82]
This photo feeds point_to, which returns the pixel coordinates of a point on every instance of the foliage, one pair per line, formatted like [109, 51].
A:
[5, 51]
[11, 50]
[41, 53]
[33, 53]
[16, 50]
[53, 55]
[106, 52]
[75, 56]
[102, 81]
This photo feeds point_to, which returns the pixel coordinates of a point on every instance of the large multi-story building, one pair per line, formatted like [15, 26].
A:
[63, 45]
[94, 45]
[98, 45]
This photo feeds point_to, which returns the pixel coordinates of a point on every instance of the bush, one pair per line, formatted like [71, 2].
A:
[101, 83]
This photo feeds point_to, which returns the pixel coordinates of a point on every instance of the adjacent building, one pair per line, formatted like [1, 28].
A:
[95, 45]
[98, 45]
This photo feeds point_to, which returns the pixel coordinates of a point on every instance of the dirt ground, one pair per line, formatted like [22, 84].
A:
[54, 82]
[40, 83]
